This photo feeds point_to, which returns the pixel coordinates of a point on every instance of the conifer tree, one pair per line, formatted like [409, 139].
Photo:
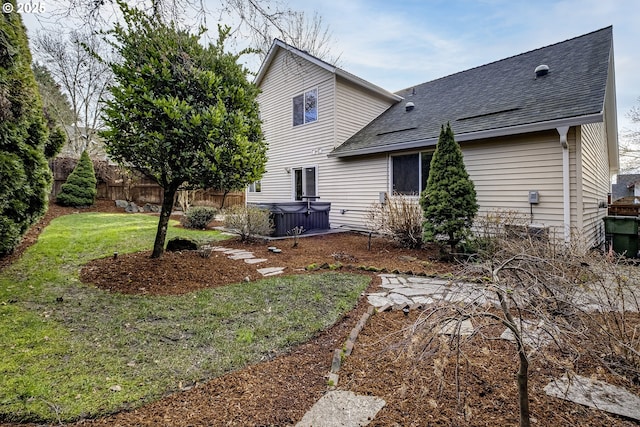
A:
[25, 178]
[80, 187]
[449, 201]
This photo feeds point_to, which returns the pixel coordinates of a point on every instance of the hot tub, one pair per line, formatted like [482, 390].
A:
[312, 216]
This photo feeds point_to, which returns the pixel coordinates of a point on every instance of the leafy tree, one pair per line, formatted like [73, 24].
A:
[80, 187]
[180, 112]
[25, 178]
[449, 201]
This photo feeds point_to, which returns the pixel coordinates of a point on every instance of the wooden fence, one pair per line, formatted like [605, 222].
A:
[144, 190]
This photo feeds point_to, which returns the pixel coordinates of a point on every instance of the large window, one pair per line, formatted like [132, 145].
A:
[304, 183]
[305, 107]
[409, 172]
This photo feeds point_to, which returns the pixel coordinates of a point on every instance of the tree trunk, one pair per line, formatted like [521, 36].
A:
[523, 389]
[169, 194]
[224, 197]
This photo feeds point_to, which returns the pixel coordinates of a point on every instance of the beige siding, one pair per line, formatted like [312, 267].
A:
[354, 109]
[290, 146]
[350, 185]
[594, 183]
[504, 170]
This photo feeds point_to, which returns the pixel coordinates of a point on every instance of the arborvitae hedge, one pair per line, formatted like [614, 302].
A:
[25, 178]
[80, 187]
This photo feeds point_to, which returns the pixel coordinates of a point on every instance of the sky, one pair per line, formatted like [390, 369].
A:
[400, 43]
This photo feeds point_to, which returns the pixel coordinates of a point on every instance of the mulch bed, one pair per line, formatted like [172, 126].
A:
[419, 391]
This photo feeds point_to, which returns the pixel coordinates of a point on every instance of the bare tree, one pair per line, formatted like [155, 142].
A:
[550, 297]
[257, 20]
[630, 146]
[83, 78]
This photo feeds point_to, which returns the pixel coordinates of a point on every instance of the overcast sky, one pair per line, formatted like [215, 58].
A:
[400, 43]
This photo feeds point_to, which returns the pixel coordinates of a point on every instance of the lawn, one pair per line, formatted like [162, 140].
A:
[69, 350]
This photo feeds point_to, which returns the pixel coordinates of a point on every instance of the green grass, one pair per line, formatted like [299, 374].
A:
[94, 352]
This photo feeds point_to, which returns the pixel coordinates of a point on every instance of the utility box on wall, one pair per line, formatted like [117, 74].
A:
[534, 197]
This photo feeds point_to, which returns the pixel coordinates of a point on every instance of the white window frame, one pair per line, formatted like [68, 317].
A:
[304, 101]
[419, 153]
[304, 181]
[255, 187]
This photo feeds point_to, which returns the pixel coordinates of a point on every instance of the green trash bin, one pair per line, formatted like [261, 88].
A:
[622, 233]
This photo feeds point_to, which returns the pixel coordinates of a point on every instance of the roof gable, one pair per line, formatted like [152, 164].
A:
[278, 45]
[503, 97]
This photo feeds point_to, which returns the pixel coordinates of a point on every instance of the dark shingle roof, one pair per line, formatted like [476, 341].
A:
[502, 94]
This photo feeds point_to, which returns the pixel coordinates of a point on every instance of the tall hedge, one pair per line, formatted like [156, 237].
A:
[80, 187]
[25, 178]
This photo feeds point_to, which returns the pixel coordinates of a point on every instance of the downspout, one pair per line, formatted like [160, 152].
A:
[566, 182]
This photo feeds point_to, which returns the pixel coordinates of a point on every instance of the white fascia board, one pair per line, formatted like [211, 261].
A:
[472, 136]
[279, 44]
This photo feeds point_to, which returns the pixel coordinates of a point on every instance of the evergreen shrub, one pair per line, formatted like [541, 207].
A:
[80, 187]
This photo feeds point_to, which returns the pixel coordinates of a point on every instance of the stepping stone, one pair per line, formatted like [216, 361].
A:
[255, 260]
[234, 251]
[244, 255]
[340, 408]
[398, 299]
[270, 271]
[378, 300]
[423, 300]
[533, 336]
[411, 292]
[596, 394]
[219, 248]
[451, 328]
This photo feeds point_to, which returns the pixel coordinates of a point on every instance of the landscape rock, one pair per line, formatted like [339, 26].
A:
[131, 208]
[121, 203]
[148, 207]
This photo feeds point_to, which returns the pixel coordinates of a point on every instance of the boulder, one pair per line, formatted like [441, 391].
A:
[132, 208]
[121, 203]
[148, 207]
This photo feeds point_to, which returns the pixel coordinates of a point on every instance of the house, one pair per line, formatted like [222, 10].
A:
[537, 127]
[627, 185]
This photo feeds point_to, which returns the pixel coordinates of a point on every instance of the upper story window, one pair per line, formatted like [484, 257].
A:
[305, 107]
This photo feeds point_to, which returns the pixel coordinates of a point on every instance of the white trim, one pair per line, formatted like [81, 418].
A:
[293, 179]
[566, 182]
[471, 136]
[279, 44]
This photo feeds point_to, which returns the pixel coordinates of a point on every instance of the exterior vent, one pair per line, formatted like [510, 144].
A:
[409, 106]
[541, 70]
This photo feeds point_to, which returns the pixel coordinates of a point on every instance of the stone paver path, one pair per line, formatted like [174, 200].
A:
[415, 292]
[249, 258]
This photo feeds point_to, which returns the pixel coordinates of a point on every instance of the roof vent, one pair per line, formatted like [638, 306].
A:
[542, 70]
[409, 106]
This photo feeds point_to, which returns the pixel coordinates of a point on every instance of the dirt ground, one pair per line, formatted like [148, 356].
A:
[420, 389]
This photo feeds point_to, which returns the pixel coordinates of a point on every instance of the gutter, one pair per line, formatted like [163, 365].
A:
[471, 136]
